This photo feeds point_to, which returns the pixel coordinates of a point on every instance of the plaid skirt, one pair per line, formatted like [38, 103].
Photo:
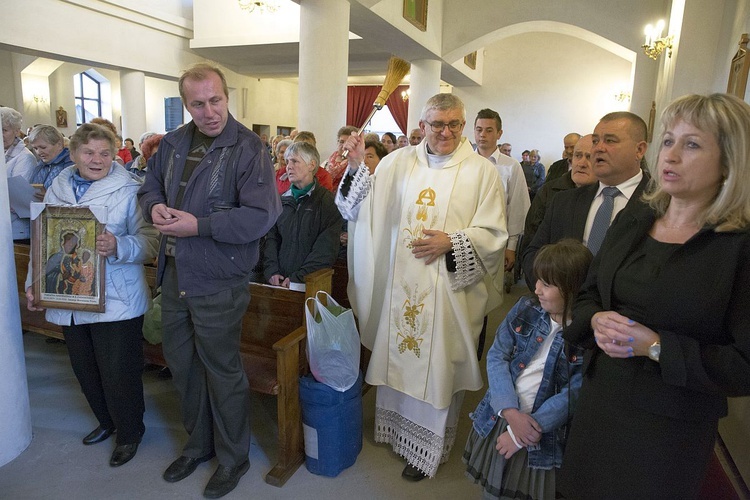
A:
[500, 478]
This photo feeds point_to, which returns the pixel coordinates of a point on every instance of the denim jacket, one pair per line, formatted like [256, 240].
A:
[516, 341]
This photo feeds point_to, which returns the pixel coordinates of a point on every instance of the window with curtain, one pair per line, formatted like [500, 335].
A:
[88, 97]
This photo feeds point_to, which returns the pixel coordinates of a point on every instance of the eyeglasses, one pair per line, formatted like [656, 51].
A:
[438, 127]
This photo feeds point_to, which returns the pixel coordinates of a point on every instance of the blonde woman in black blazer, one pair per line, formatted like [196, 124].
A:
[666, 314]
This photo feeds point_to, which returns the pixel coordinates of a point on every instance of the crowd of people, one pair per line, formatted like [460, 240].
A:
[607, 381]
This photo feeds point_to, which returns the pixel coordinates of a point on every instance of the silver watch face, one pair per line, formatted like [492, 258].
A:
[654, 351]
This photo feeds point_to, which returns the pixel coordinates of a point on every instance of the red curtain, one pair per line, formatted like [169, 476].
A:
[359, 101]
[399, 108]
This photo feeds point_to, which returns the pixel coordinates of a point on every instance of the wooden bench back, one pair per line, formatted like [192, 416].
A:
[274, 312]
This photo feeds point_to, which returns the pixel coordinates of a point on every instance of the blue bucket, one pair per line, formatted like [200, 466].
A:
[332, 425]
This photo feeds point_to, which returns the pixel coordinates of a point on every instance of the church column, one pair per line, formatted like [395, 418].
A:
[323, 69]
[133, 95]
[15, 413]
[423, 84]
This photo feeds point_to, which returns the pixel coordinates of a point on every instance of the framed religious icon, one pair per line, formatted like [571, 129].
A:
[415, 11]
[471, 60]
[739, 69]
[61, 117]
[67, 272]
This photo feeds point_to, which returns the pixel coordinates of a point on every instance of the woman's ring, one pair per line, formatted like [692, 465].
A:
[614, 341]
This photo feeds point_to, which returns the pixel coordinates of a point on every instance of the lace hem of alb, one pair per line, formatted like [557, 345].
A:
[469, 268]
[358, 190]
[421, 447]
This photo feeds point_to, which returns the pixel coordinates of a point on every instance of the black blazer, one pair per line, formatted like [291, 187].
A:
[557, 170]
[566, 217]
[702, 313]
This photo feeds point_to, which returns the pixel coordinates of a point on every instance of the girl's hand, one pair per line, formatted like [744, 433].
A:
[525, 428]
[506, 446]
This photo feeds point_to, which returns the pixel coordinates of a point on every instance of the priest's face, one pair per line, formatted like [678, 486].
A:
[442, 130]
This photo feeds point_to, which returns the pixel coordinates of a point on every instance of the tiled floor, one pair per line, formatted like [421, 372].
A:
[56, 464]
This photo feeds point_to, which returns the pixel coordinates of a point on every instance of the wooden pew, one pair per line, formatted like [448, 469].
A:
[272, 348]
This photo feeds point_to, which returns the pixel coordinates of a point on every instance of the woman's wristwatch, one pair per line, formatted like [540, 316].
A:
[654, 351]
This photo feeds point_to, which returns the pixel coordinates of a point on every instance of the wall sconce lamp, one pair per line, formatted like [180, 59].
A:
[405, 94]
[39, 99]
[256, 6]
[622, 96]
[655, 43]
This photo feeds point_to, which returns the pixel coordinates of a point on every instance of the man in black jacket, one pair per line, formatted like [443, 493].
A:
[619, 144]
[560, 167]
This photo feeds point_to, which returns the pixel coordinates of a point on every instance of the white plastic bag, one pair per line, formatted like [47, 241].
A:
[332, 342]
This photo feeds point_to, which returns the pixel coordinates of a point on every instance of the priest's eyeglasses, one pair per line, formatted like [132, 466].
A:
[438, 127]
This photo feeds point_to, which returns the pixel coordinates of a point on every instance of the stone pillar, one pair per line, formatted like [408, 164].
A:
[15, 413]
[424, 83]
[323, 69]
[133, 96]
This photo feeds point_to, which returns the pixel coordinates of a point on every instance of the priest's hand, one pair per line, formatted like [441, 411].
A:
[435, 244]
[355, 145]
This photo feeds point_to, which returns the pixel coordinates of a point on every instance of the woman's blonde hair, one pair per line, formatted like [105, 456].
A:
[728, 119]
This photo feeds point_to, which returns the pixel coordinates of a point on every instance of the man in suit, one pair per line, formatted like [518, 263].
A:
[560, 167]
[580, 174]
[619, 144]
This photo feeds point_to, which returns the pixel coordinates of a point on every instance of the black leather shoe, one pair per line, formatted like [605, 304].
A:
[411, 473]
[224, 480]
[98, 435]
[122, 454]
[183, 467]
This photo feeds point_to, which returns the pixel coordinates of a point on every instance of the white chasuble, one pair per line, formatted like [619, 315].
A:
[421, 321]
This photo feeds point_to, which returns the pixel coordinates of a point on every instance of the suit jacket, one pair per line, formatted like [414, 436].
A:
[566, 217]
[557, 170]
[701, 315]
[535, 215]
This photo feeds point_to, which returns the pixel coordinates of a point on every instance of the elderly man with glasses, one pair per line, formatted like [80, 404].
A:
[431, 221]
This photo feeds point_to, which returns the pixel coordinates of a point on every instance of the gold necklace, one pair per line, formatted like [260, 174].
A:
[680, 226]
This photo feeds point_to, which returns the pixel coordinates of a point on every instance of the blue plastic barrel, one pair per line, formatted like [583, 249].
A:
[332, 425]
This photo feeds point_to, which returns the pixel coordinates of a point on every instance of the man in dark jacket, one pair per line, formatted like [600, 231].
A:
[210, 191]
[581, 174]
[619, 143]
[560, 167]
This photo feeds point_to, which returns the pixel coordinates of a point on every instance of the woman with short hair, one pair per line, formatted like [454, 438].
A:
[105, 348]
[54, 157]
[19, 161]
[305, 237]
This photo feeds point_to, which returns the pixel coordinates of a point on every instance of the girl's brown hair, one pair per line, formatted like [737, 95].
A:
[564, 264]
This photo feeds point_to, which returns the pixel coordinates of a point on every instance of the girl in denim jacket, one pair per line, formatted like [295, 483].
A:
[518, 434]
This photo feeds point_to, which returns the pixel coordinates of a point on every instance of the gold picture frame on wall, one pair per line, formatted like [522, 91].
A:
[415, 11]
[471, 60]
[738, 70]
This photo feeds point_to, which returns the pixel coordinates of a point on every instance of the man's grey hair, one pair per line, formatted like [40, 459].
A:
[443, 102]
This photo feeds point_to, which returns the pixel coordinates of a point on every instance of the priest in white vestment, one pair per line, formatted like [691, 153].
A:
[427, 235]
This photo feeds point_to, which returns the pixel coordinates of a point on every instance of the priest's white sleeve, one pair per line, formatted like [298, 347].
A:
[353, 189]
[469, 268]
